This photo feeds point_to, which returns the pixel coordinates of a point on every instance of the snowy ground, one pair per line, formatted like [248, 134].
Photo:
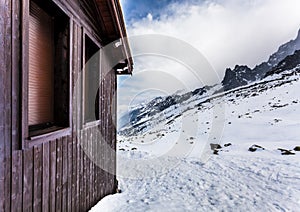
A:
[171, 166]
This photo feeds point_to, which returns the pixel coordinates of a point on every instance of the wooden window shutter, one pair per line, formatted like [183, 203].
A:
[41, 67]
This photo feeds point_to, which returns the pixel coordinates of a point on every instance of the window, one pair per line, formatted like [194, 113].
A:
[91, 81]
[48, 73]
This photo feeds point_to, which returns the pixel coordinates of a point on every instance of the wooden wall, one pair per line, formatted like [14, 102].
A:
[60, 175]
[69, 173]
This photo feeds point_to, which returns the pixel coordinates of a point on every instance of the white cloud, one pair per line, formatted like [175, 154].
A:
[226, 32]
[149, 17]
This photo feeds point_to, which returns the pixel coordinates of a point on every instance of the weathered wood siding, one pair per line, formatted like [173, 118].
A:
[59, 176]
[69, 173]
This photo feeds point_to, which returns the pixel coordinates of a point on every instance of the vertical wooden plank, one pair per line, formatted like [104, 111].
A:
[17, 181]
[81, 180]
[85, 169]
[74, 72]
[102, 140]
[3, 74]
[46, 176]
[16, 55]
[112, 131]
[78, 115]
[89, 136]
[106, 159]
[70, 161]
[52, 189]
[101, 126]
[24, 71]
[81, 176]
[70, 174]
[90, 140]
[111, 128]
[58, 190]
[115, 131]
[99, 164]
[71, 79]
[37, 178]
[99, 129]
[103, 163]
[64, 173]
[5, 104]
[82, 170]
[28, 180]
[109, 131]
[90, 188]
[92, 200]
[74, 174]
[79, 134]
[95, 147]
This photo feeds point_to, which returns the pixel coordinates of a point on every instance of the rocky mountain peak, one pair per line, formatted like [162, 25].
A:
[239, 76]
[242, 75]
[290, 62]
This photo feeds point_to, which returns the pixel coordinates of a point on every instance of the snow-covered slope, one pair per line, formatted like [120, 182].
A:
[231, 151]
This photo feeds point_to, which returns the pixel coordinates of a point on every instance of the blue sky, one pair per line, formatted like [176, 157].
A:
[225, 32]
[138, 9]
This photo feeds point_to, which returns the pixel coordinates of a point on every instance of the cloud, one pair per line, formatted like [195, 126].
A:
[150, 17]
[226, 32]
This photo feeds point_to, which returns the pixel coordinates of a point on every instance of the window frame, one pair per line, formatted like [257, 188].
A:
[87, 124]
[28, 141]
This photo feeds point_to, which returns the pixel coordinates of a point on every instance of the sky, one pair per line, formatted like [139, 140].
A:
[224, 32]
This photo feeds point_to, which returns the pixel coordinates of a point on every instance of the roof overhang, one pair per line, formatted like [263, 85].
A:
[114, 27]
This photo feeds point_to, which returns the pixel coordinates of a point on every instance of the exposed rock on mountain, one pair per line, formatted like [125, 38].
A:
[283, 51]
[239, 76]
[289, 62]
[159, 104]
[242, 75]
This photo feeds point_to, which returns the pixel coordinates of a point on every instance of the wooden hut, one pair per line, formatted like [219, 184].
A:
[49, 160]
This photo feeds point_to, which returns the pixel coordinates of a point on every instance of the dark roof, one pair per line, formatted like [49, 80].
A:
[114, 27]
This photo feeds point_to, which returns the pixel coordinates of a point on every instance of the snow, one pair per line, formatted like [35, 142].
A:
[223, 183]
[171, 166]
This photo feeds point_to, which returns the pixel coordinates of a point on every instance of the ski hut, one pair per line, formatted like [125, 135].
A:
[57, 131]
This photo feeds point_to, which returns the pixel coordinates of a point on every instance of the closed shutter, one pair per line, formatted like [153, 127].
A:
[41, 67]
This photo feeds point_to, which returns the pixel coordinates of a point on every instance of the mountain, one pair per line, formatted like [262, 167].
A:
[239, 76]
[243, 75]
[143, 117]
[290, 62]
[137, 119]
